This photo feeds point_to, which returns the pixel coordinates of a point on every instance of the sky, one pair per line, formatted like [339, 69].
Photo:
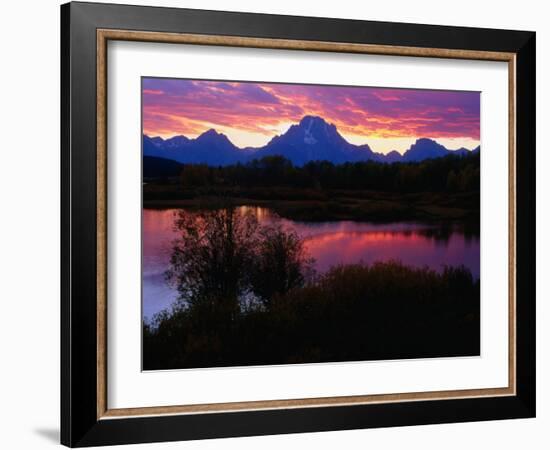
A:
[251, 113]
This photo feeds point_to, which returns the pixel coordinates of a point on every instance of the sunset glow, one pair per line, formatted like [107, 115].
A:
[250, 114]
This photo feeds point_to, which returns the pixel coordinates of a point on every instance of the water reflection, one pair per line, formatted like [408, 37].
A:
[330, 243]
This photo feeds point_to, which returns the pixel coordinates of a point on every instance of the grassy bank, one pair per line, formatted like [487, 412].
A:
[351, 313]
[322, 204]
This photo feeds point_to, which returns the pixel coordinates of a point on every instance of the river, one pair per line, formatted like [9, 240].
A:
[329, 243]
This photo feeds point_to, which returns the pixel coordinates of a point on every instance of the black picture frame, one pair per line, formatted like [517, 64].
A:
[80, 425]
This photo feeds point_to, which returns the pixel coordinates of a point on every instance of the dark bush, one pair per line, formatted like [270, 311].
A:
[353, 312]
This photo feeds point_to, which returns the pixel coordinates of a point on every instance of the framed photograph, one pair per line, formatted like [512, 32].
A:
[276, 224]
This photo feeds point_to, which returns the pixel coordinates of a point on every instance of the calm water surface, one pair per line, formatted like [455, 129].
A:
[330, 243]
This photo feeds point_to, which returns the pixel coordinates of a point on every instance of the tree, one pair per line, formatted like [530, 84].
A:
[452, 181]
[222, 256]
[281, 263]
[195, 175]
[212, 257]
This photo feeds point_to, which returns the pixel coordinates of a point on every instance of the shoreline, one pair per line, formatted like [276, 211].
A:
[361, 206]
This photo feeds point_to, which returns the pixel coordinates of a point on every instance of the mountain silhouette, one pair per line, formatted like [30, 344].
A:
[312, 139]
[210, 148]
[315, 139]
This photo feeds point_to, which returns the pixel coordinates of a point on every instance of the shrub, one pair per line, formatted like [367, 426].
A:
[353, 312]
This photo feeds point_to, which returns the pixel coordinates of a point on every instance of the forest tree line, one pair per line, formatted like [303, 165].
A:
[447, 174]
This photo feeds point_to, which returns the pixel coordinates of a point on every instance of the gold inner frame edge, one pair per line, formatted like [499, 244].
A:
[103, 36]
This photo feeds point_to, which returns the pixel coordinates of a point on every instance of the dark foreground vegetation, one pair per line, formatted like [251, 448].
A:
[386, 311]
[248, 296]
[438, 189]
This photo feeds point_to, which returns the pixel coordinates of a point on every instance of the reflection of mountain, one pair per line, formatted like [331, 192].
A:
[313, 139]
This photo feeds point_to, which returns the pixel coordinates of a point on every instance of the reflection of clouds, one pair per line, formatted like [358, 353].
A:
[339, 241]
[158, 233]
[416, 244]
[412, 248]
[363, 237]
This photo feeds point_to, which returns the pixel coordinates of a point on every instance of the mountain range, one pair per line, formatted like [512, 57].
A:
[312, 139]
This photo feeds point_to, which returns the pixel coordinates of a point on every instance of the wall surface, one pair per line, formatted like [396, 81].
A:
[29, 237]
